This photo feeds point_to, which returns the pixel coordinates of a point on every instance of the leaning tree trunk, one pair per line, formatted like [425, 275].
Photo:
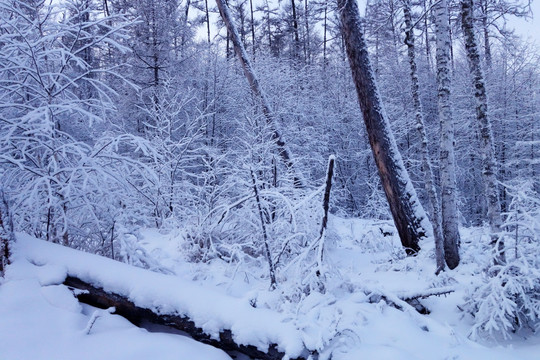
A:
[257, 90]
[433, 202]
[409, 217]
[447, 161]
[489, 164]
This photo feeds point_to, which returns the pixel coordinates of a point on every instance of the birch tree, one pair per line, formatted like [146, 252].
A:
[408, 214]
[429, 182]
[447, 159]
[489, 164]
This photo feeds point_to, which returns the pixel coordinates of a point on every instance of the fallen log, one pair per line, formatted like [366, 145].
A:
[91, 295]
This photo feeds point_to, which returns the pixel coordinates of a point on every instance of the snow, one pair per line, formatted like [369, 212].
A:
[47, 322]
[165, 294]
[350, 321]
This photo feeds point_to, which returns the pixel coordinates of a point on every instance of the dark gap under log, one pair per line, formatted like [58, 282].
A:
[124, 307]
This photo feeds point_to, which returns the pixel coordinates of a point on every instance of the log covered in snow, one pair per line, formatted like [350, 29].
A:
[140, 295]
[98, 297]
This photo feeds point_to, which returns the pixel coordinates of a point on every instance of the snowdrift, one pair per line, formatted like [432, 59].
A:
[209, 310]
[364, 315]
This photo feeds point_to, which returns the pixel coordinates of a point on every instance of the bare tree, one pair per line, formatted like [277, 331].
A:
[491, 12]
[489, 164]
[409, 217]
[256, 88]
[433, 201]
[447, 159]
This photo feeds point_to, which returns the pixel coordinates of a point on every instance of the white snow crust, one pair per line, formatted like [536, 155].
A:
[347, 322]
[165, 294]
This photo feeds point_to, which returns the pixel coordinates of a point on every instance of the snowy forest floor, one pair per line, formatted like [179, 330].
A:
[41, 319]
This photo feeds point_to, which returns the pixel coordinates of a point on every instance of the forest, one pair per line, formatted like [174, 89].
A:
[302, 143]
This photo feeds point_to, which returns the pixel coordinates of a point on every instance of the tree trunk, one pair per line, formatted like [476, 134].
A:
[307, 41]
[186, 20]
[106, 11]
[324, 33]
[433, 202]
[426, 35]
[409, 217]
[485, 30]
[489, 164]
[124, 307]
[257, 90]
[324, 222]
[7, 236]
[447, 163]
[264, 232]
[252, 27]
[268, 26]
[295, 30]
[207, 13]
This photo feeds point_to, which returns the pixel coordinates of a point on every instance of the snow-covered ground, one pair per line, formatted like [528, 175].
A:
[41, 319]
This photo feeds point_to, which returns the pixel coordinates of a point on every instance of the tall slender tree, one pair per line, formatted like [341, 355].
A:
[447, 159]
[256, 88]
[429, 178]
[489, 163]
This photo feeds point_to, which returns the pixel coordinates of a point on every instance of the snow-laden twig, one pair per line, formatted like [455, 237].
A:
[96, 315]
[412, 295]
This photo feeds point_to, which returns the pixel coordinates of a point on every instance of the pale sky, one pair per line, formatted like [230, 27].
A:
[529, 29]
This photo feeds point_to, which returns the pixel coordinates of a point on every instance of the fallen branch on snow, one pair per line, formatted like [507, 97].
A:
[427, 293]
[404, 301]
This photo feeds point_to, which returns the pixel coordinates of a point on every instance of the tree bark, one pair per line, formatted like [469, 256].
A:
[429, 184]
[295, 30]
[324, 33]
[408, 214]
[324, 222]
[307, 41]
[485, 30]
[124, 307]
[252, 25]
[447, 162]
[7, 236]
[264, 232]
[257, 90]
[426, 38]
[489, 164]
[207, 13]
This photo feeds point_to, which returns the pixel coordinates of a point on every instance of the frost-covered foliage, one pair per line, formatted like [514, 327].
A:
[68, 178]
[250, 210]
[174, 127]
[131, 252]
[507, 299]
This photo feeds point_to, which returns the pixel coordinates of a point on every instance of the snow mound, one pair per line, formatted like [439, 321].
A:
[165, 294]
